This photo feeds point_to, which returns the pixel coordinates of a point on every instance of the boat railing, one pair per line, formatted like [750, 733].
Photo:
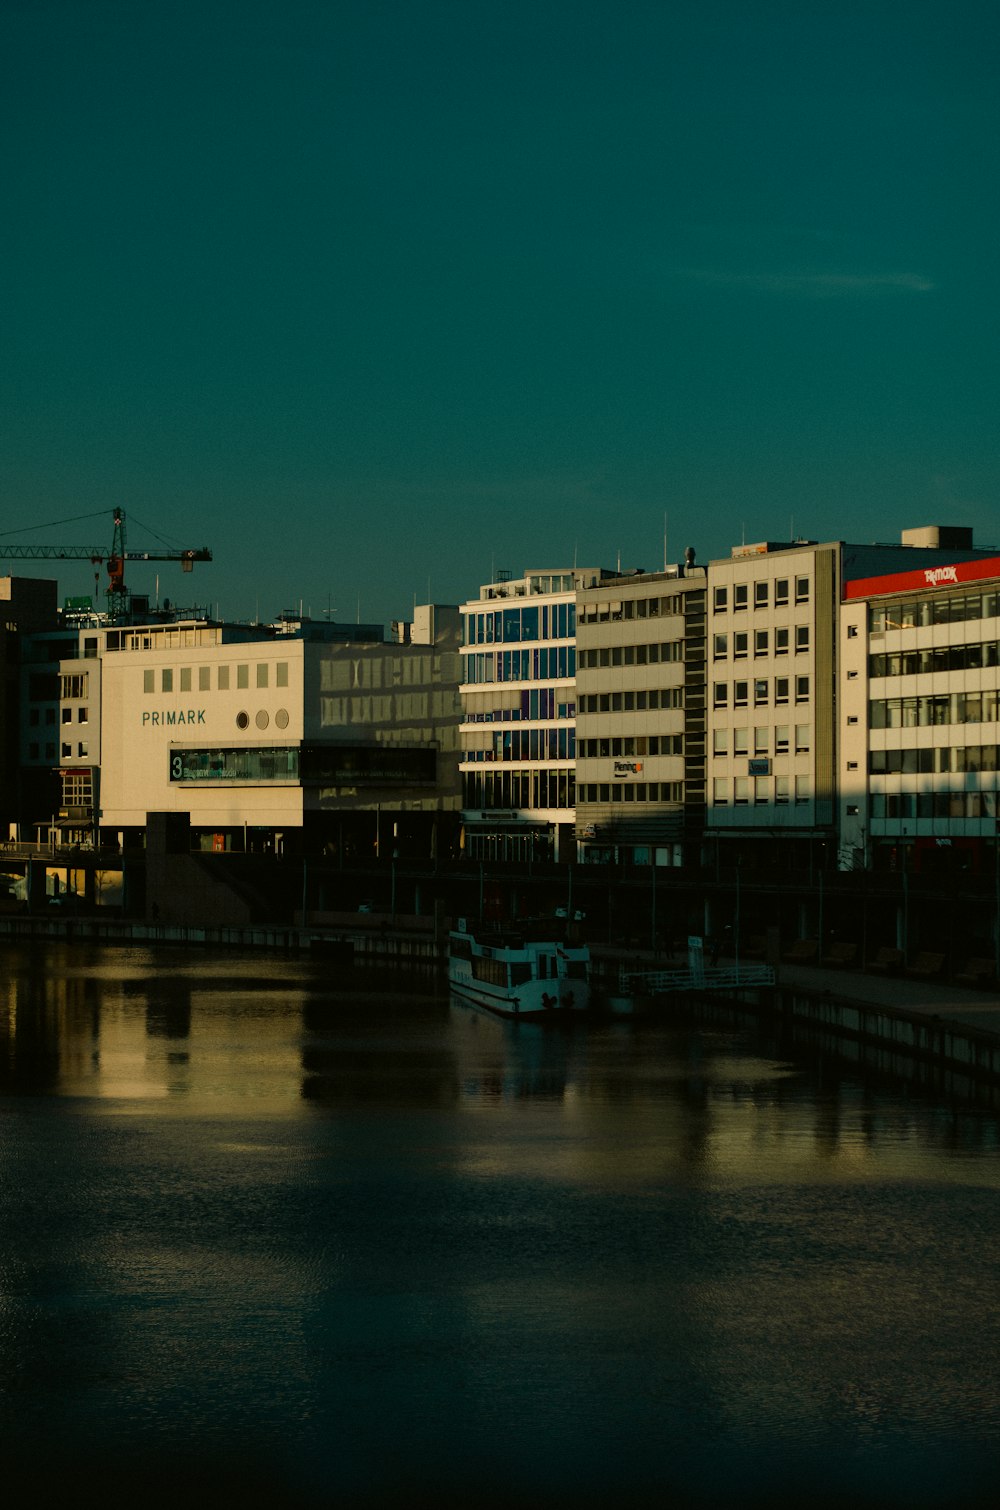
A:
[735, 977]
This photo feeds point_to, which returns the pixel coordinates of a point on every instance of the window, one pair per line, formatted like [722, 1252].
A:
[185, 678]
[740, 741]
[148, 681]
[721, 643]
[782, 791]
[801, 689]
[740, 646]
[67, 751]
[741, 594]
[281, 674]
[781, 689]
[740, 694]
[720, 791]
[721, 599]
[761, 739]
[801, 790]
[166, 680]
[760, 642]
[802, 738]
[204, 678]
[761, 790]
[67, 715]
[781, 739]
[781, 591]
[262, 673]
[781, 642]
[81, 748]
[760, 692]
[222, 678]
[83, 715]
[242, 677]
[720, 694]
[741, 791]
[801, 638]
[801, 595]
[760, 594]
[720, 742]
[852, 631]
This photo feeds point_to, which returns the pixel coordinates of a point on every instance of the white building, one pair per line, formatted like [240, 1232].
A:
[519, 716]
[920, 717]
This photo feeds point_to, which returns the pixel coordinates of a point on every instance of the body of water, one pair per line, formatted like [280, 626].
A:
[266, 1235]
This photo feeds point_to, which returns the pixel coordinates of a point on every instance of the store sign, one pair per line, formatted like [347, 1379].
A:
[928, 576]
[174, 716]
[758, 767]
[627, 768]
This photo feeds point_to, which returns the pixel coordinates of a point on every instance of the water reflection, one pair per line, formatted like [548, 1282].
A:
[357, 1243]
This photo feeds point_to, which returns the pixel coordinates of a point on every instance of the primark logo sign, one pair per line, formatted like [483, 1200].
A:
[174, 716]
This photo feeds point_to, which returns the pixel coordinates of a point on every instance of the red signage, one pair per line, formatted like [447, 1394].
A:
[929, 576]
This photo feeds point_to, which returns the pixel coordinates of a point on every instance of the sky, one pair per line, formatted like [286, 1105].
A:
[374, 298]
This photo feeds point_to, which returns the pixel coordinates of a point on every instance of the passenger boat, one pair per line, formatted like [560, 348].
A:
[532, 968]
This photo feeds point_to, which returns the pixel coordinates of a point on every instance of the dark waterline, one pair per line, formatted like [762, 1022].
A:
[268, 1237]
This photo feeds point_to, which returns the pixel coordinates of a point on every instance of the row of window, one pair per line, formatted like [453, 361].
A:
[762, 594]
[767, 740]
[65, 750]
[762, 642]
[631, 702]
[741, 791]
[935, 758]
[527, 744]
[641, 744]
[944, 708]
[535, 703]
[520, 665]
[609, 610]
[630, 791]
[511, 626]
[760, 689]
[950, 608]
[633, 655]
[933, 805]
[936, 658]
[185, 677]
[519, 789]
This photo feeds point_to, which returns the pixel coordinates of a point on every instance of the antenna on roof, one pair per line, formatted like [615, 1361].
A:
[664, 539]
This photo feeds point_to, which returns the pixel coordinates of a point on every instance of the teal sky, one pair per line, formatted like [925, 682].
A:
[372, 297]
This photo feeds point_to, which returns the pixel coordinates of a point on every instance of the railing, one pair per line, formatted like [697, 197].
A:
[684, 979]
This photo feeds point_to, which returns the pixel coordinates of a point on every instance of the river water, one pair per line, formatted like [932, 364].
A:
[270, 1236]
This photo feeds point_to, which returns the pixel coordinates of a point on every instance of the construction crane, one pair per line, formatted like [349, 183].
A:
[117, 594]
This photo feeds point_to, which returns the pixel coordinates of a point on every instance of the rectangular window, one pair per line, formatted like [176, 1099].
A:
[741, 593]
[148, 681]
[720, 694]
[721, 643]
[802, 738]
[720, 791]
[262, 673]
[801, 689]
[204, 678]
[81, 748]
[781, 739]
[801, 790]
[83, 715]
[780, 591]
[281, 674]
[801, 638]
[760, 642]
[741, 791]
[740, 737]
[740, 646]
[242, 677]
[741, 693]
[67, 751]
[781, 689]
[801, 595]
[781, 642]
[222, 678]
[720, 742]
[185, 678]
[67, 715]
[721, 599]
[760, 594]
[166, 680]
[761, 739]
[760, 693]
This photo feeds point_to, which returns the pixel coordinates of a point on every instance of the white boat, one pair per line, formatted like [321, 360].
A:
[526, 969]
